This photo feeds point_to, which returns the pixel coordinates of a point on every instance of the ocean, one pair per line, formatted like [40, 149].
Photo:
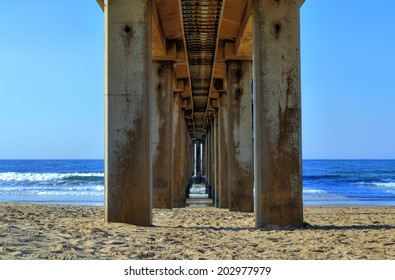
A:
[69, 182]
[81, 182]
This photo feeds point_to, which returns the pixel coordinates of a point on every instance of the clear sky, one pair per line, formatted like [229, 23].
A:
[51, 79]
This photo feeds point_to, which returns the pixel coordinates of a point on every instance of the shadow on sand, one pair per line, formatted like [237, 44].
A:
[306, 226]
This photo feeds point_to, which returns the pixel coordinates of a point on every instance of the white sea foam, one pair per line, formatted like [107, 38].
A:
[388, 187]
[313, 191]
[385, 185]
[99, 188]
[41, 177]
[67, 193]
[198, 189]
[96, 190]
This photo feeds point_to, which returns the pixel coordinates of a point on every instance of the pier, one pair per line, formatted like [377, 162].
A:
[205, 92]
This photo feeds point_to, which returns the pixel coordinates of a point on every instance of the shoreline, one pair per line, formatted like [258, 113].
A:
[45, 231]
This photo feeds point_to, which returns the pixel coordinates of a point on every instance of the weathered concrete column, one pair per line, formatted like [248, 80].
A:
[204, 148]
[240, 162]
[216, 162]
[208, 153]
[177, 119]
[127, 159]
[190, 147]
[198, 165]
[162, 103]
[223, 152]
[212, 159]
[191, 158]
[209, 159]
[183, 158]
[277, 110]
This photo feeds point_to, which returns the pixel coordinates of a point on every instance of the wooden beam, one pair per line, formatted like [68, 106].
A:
[157, 30]
[247, 16]
[101, 4]
[231, 54]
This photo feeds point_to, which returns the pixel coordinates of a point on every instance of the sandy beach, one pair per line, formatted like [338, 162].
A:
[29, 231]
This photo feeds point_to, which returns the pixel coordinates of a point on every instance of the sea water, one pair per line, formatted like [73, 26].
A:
[349, 182]
[71, 182]
[81, 182]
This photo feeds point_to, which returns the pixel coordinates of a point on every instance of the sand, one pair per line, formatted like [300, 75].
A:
[30, 231]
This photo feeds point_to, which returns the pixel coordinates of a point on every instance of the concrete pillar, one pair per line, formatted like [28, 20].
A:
[223, 152]
[212, 159]
[204, 157]
[240, 163]
[277, 111]
[162, 103]
[190, 163]
[208, 159]
[198, 164]
[177, 168]
[191, 158]
[127, 97]
[216, 162]
[183, 159]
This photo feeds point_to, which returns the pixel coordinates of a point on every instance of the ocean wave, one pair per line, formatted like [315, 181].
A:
[93, 190]
[198, 189]
[66, 193]
[384, 185]
[321, 177]
[389, 187]
[379, 184]
[313, 191]
[42, 177]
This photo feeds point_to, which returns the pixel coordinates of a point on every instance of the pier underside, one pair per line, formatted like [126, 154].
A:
[206, 92]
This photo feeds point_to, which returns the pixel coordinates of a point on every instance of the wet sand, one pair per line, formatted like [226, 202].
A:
[29, 231]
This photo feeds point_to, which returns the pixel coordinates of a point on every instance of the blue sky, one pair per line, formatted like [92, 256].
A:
[51, 79]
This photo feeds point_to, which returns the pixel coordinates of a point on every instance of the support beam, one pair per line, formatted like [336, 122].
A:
[158, 33]
[277, 111]
[127, 159]
[240, 161]
[162, 106]
[245, 22]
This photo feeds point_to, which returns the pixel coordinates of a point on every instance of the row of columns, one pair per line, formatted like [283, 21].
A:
[230, 139]
[148, 149]
[172, 150]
